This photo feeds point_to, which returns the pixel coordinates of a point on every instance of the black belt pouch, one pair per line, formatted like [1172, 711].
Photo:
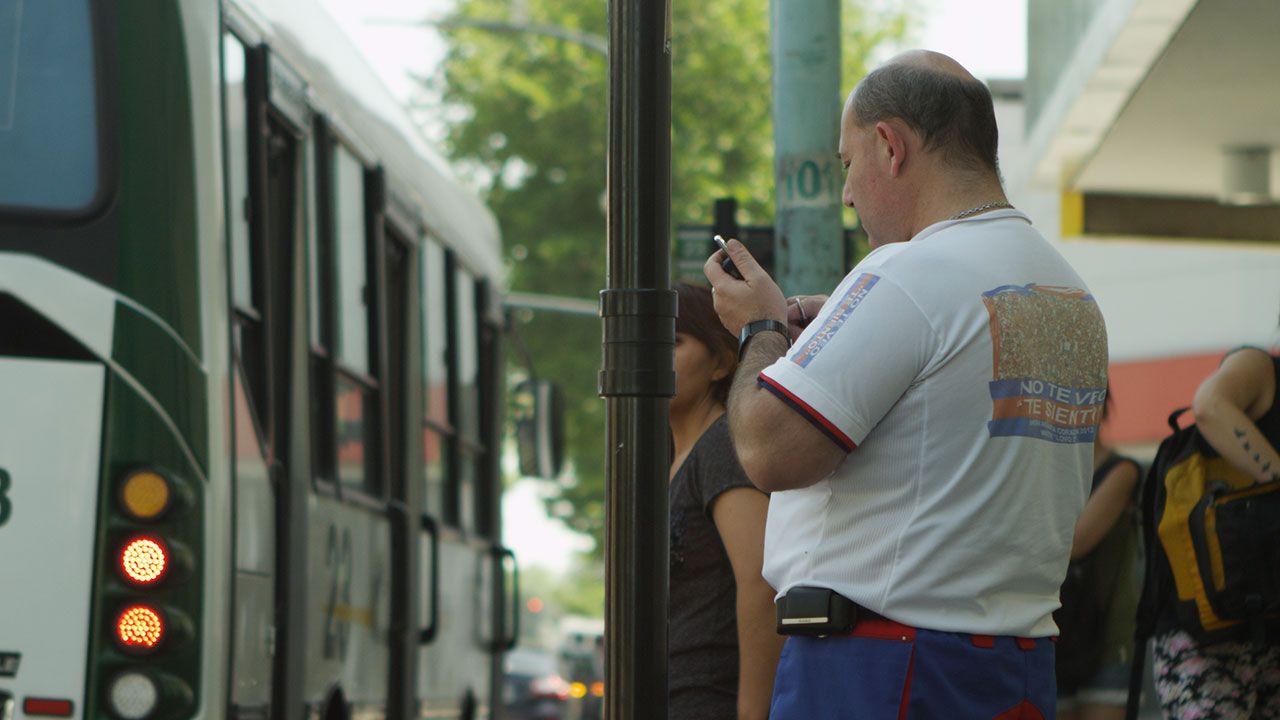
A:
[815, 611]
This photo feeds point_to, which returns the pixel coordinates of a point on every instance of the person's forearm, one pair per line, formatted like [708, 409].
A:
[1104, 507]
[1230, 431]
[764, 349]
[759, 646]
[749, 404]
[778, 448]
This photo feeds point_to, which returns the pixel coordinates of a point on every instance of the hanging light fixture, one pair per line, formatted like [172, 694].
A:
[1246, 175]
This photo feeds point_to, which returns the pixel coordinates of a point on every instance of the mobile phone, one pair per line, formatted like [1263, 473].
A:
[726, 263]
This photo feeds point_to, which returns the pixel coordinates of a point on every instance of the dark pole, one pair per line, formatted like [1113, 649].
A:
[637, 380]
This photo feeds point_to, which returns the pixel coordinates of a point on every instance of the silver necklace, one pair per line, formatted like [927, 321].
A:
[980, 208]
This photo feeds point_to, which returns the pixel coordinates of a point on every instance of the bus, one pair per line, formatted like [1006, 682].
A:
[250, 381]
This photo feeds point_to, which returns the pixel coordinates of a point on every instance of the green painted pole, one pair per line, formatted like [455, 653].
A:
[808, 237]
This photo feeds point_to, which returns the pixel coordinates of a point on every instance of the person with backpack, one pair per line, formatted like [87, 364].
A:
[1100, 594]
[1237, 411]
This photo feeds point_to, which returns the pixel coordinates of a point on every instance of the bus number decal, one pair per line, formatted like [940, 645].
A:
[338, 610]
[6, 506]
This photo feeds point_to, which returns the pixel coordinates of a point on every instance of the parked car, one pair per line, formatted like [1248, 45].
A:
[533, 688]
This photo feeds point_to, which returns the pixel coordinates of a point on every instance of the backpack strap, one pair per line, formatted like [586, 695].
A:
[1153, 595]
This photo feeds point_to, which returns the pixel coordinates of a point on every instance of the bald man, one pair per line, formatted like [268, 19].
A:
[928, 435]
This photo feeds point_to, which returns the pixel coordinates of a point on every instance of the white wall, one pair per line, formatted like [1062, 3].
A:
[1160, 298]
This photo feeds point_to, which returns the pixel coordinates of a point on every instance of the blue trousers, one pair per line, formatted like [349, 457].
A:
[888, 671]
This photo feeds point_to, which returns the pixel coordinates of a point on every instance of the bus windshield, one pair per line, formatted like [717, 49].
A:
[49, 154]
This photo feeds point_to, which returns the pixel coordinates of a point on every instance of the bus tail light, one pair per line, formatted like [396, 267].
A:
[138, 694]
[47, 707]
[133, 695]
[144, 560]
[145, 494]
[139, 629]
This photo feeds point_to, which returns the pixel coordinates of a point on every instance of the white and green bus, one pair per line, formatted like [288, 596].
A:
[250, 386]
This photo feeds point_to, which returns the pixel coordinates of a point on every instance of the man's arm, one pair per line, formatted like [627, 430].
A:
[778, 447]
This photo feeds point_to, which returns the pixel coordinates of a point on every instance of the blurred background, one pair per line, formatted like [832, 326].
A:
[1137, 134]
[1115, 137]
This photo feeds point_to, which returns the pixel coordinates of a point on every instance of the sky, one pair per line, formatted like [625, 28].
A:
[986, 36]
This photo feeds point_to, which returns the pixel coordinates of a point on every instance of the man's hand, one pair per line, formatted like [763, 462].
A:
[755, 297]
[801, 310]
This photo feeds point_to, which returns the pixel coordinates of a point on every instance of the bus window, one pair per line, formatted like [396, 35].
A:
[396, 302]
[470, 445]
[237, 165]
[48, 106]
[352, 339]
[355, 390]
[247, 272]
[436, 432]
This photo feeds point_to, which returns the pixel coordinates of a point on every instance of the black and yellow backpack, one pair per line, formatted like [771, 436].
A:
[1212, 538]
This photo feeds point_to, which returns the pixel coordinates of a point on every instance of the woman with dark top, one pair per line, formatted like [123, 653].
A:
[1237, 410]
[723, 648]
[1093, 663]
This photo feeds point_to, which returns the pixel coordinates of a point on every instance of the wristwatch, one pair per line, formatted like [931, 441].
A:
[759, 326]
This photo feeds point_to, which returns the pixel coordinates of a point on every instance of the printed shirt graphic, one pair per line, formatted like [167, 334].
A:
[867, 322]
[848, 302]
[1049, 361]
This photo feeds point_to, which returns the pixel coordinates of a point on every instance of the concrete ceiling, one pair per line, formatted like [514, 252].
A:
[1216, 86]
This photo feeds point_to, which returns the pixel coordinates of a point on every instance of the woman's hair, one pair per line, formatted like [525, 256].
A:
[696, 317]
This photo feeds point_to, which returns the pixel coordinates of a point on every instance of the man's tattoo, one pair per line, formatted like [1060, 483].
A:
[1238, 432]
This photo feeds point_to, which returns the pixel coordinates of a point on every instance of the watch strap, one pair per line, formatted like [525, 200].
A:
[759, 326]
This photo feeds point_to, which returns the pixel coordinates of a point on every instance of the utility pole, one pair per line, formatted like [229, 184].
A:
[808, 234]
[637, 381]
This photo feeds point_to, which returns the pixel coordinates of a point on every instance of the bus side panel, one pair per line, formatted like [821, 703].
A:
[50, 451]
[348, 603]
[455, 665]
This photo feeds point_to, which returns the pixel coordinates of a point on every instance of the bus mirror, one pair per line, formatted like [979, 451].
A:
[539, 426]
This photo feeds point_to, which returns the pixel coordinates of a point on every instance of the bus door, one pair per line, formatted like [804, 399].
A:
[464, 597]
[350, 570]
[397, 284]
[264, 157]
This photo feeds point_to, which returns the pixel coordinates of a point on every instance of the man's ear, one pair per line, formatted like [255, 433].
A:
[895, 145]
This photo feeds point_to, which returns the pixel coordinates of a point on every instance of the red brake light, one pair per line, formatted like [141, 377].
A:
[45, 706]
[139, 628]
[144, 560]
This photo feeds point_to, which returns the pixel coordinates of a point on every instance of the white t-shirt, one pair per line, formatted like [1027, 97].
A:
[965, 373]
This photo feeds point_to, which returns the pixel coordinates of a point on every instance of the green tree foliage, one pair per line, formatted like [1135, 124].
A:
[526, 116]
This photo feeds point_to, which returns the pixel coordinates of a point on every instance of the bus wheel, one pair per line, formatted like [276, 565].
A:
[335, 706]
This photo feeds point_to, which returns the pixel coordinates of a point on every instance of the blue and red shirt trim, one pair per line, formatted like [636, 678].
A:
[827, 427]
